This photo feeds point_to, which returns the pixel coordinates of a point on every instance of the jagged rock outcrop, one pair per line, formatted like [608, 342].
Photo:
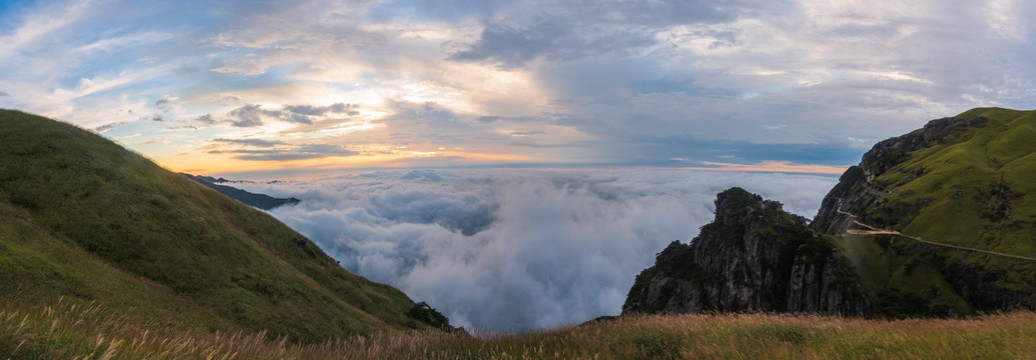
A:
[753, 257]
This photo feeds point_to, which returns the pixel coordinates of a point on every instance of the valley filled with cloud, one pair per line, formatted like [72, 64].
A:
[516, 249]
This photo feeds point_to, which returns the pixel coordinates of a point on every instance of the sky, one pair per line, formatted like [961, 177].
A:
[516, 249]
[270, 89]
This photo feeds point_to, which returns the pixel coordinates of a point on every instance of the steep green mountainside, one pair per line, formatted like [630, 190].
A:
[85, 219]
[937, 222]
[961, 181]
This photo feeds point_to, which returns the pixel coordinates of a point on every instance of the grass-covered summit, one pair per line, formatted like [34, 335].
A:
[966, 181]
[86, 220]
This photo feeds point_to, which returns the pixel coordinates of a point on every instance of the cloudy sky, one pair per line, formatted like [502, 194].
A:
[262, 89]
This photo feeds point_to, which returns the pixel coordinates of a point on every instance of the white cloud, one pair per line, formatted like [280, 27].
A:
[614, 81]
[38, 29]
[517, 249]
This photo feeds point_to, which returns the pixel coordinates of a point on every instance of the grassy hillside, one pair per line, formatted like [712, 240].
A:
[970, 189]
[85, 219]
[66, 330]
[978, 182]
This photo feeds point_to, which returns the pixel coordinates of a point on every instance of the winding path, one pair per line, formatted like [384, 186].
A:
[876, 231]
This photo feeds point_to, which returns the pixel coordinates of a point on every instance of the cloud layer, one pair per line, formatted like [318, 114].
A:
[509, 250]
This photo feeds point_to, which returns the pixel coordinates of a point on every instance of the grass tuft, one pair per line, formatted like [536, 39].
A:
[69, 329]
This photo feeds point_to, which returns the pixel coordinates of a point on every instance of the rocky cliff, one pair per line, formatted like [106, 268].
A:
[753, 257]
[955, 192]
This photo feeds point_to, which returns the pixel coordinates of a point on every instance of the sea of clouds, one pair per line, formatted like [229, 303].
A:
[515, 250]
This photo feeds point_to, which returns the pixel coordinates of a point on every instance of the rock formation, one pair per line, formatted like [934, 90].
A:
[753, 257]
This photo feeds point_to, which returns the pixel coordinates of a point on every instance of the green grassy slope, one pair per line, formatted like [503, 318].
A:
[978, 183]
[84, 218]
[971, 190]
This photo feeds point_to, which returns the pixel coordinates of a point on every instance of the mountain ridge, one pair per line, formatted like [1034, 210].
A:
[87, 220]
[959, 181]
[261, 201]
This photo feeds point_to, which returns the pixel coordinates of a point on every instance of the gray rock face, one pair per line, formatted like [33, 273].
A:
[857, 191]
[890, 152]
[829, 287]
[753, 257]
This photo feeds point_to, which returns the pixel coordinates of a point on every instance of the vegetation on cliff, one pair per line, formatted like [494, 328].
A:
[958, 181]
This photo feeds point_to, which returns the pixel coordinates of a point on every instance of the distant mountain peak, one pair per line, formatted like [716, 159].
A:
[261, 201]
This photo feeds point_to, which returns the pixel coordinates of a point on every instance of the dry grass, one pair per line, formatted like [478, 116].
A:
[69, 330]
